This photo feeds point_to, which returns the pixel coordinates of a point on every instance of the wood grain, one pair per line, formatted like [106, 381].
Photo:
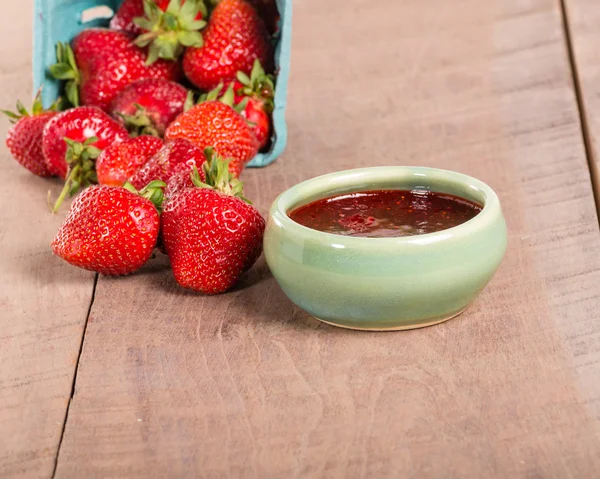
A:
[173, 384]
[43, 302]
[583, 17]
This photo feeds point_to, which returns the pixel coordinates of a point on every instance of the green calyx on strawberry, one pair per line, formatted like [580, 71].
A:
[258, 85]
[227, 98]
[66, 69]
[24, 138]
[140, 123]
[218, 176]
[37, 109]
[81, 161]
[169, 32]
[153, 191]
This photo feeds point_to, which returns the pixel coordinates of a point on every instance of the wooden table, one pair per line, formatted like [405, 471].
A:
[135, 377]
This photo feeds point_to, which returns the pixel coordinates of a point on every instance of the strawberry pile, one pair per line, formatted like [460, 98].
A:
[161, 112]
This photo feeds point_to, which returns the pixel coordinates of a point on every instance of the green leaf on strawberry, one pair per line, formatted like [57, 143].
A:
[218, 176]
[66, 69]
[169, 32]
[81, 160]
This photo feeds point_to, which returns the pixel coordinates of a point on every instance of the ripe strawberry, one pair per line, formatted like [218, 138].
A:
[173, 157]
[71, 143]
[147, 107]
[121, 160]
[235, 37]
[24, 139]
[127, 12]
[102, 63]
[259, 89]
[216, 124]
[110, 230]
[211, 234]
[77, 124]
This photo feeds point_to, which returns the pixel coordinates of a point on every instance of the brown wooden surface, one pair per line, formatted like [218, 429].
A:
[43, 302]
[584, 29]
[172, 384]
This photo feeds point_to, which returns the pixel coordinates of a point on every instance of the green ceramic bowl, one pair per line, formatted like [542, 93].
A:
[385, 283]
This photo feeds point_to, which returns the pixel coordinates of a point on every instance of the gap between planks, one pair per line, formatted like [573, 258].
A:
[64, 425]
[585, 131]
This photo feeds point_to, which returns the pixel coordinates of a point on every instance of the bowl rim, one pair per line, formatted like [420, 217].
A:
[489, 212]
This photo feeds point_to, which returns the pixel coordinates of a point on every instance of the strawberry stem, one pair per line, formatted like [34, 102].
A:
[81, 162]
[66, 189]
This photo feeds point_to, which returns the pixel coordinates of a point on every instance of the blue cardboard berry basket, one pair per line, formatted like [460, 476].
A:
[60, 20]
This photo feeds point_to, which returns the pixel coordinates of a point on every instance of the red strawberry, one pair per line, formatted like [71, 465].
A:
[127, 12]
[78, 124]
[259, 119]
[259, 89]
[235, 37]
[121, 160]
[24, 139]
[110, 230]
[147, 107]
[102, 63]
[211, 234]
[71, 143]
[173, 157]
[216, 124]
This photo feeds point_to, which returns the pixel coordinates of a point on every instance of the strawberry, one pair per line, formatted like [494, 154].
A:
[121, 160]
[73, 140]
[147, 107]
[110, 230]
[259, 90]
[173, 157]
[77, 124]
[213, 123]
[234, 38]
[24, 139]
[211, 233]
[259, 119]
[102, 63]
[127, 12]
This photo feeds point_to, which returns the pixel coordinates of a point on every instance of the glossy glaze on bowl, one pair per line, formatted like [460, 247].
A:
[385, 283]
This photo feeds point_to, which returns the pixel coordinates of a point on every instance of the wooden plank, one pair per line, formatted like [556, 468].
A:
[583, 18]
[172, 384]
[43, 302]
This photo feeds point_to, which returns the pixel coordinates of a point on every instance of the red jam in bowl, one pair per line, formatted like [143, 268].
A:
[386, 213]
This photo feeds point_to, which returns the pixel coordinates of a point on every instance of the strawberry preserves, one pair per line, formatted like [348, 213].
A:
[386, 213]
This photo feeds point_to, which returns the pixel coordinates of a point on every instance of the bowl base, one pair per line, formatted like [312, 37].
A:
[396, 328]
